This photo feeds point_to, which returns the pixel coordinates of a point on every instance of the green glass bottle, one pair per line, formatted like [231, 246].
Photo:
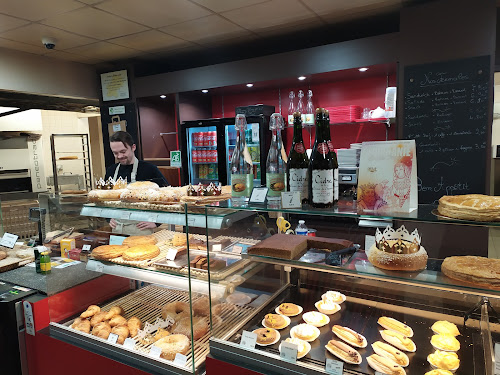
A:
[298, 161]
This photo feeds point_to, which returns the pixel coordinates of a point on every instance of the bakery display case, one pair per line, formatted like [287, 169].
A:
[362, 288]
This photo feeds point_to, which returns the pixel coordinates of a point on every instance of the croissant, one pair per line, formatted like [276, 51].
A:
[82, 325]
[97, 318]
[122, 332]
[102, 330]
[134, 324]
[91, 310]
[118, 320]
[115, 310]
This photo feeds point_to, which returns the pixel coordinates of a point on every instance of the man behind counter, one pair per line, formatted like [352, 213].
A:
[129, 167]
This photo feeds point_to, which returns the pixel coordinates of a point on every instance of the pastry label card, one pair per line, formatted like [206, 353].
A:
[334, 367]
[288, 351]
[116, 240]
[180, 360]
[9, 240]
[113, 338]
[155, 352]
[291, 199]
[259, 195]
[388, 177]
[497, 358]
[129, 343]
[248, 340]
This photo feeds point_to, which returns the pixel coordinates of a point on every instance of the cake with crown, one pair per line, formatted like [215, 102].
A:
[398, 250]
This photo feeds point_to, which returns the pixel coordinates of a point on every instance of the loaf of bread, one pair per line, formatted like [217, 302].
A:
[141, 185]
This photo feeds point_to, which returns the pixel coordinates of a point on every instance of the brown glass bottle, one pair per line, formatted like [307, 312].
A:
[298, 161]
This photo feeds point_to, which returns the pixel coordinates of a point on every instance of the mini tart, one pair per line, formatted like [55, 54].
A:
[316, 318]
[444, 360]
[395, 325]
[305, 332]
[398, 340]
[344, 352]
[445, 327]
[384, 365]
[388, 351]
[439, 372]
[351, 337]
[276, 321]
[289, 309]
[303, 347]
[334, 296]
[327, 307]
[447, 343]
[267, 336]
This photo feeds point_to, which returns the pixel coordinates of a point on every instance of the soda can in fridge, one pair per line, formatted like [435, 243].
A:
[211, 172]
[214, 138]
[193, 156]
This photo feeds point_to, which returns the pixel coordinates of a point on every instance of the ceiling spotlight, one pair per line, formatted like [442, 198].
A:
[363, 69]
[204, 91]
[249, 84]
[163, 96]
[301, 78]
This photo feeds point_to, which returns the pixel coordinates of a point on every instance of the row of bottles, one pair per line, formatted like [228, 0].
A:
[307, 112]
[316, 178]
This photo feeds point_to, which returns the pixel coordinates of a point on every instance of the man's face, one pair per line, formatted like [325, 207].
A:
[122, 152]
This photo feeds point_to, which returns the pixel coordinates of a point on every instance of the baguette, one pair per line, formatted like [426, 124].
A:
[350, 336]
[384, 365]
[388, 351]
[398, 340]
[344, 352]
[395, 325]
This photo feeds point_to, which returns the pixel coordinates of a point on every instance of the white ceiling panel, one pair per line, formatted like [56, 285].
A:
[225, 5]
[155, 13]
[8, 22]
[105, 51]
[63, 55]
[33, 33]
[149, 41]
[35, 10]
[10, 44]
[335, 8]
[94, 23]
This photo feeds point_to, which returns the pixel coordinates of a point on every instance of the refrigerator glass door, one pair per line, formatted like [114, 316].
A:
[202, 155]
[252, 138]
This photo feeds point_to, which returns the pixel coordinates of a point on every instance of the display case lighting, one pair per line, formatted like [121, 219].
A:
[163, 96]
[363, 69]
[204, 91]
[301, 78]
[249, 84]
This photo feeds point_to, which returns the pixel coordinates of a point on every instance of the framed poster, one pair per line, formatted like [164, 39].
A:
[114, 85]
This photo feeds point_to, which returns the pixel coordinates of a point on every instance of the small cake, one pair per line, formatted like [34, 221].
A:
[388, 351]
[445, 342]
[327, 306]
[445, 327]
[343, 351]
[444, 360]
[316, 319]
[305, 332]
[266, 336]
[289, 309]
[275, 321]
[334, 296]
[384, 365]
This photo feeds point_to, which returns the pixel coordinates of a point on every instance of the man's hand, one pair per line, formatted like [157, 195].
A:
[145, 225]
[112, 223]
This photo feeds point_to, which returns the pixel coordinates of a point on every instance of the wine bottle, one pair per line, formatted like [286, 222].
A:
[328, 139]
[241, 165]
[291, 108]
[298, 162]
[309, 116]
[321, 170]
[276, 160]
[300, 106]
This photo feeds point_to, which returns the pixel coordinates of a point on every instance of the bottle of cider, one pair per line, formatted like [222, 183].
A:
[241, 165]
[309, 117]
[298, 162]
[276, 160]
[291, 108]
[322, 166]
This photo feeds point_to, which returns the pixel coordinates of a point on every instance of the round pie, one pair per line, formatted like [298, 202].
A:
[141, 252]
[106, 252]
[139, 240]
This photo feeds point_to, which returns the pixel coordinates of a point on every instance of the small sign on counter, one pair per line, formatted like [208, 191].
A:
[9, 240]
[288, 351]
[334, 367]
[291, 199]
[113, 338]
[248, 340]
[116, 240]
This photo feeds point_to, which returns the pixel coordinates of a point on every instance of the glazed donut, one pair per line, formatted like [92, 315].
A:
[183, 326]
[171, 345]
[201, 306]
[173, 309]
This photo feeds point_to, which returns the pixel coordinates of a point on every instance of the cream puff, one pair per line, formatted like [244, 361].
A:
[447, 343]
[444, 360]
[445, 327]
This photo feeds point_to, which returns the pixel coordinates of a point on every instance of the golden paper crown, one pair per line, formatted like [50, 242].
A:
[398, 241]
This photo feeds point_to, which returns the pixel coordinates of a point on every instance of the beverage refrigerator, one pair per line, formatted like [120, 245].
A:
[207, 146]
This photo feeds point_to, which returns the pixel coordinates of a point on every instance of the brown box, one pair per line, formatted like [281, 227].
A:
[116, 125]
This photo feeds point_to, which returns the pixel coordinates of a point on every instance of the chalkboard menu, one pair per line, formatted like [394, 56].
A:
[446, 112]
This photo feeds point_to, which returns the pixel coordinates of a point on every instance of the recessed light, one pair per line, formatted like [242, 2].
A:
[8, 109]
[363, 69]
[249, 84]
[204, 91]
[163, 96]
[301, 78]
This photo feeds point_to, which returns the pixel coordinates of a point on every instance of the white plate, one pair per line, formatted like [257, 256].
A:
[287, 319]
[279, 312]
[343, 359]
[342, 297]
[315, 329]
[278, 337]
[327, 312]
[307, 317]
[308, 349]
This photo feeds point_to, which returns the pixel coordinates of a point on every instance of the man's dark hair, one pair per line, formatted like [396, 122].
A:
[122, 137]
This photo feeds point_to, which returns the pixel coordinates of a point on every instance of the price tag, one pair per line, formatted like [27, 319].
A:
[259, 195]
[112, 338]
[191, 221]
[125, 215]
[99, 267]
[248, 340]
[497, 358]
[86, 247]
[171, 254]
[237, 249]
[334, 367]
[129, 343]
[152, 218]
[291, 199]
[117, 128]
[155, 352]
[288, 351]
[116, 240]
[69, 264]
[217, 247]
[369, 241]
[180, 359]
[9, 240]
[255, 133]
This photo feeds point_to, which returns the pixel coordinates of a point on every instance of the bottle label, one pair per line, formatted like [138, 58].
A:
[299, 148]
[323, 185]
[303, 118]
[323, 148]
[299, 181]
[309, 119]
[330, 146]
[241, 185]
[336, 184]
[290, 120]
[275, 182]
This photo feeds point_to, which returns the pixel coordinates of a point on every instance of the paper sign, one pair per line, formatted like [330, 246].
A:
[125, 215]
[129, 343]
[9, 240]
[334, 367]
[117, 128]
[99, 267]
[255, 133]
[180, 359]
[69, 264]
[112, 338]
[248, 340]
[291, 199]
[171, 254]
[29, 322]
[288, 351]
[217, 247]
[86, 247]
[152, 218]
[497, 358]
[237, 249]
[258, 195]
[155, 352]
[191, 221]
[369, 241]
[116, 240]
[117, 110]
[175, 159]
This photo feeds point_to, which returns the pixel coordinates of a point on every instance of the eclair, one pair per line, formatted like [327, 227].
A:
[388, 351]
[350, 336]
[398, 340]
[384, 365]
[395, 325]
[344, 352]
